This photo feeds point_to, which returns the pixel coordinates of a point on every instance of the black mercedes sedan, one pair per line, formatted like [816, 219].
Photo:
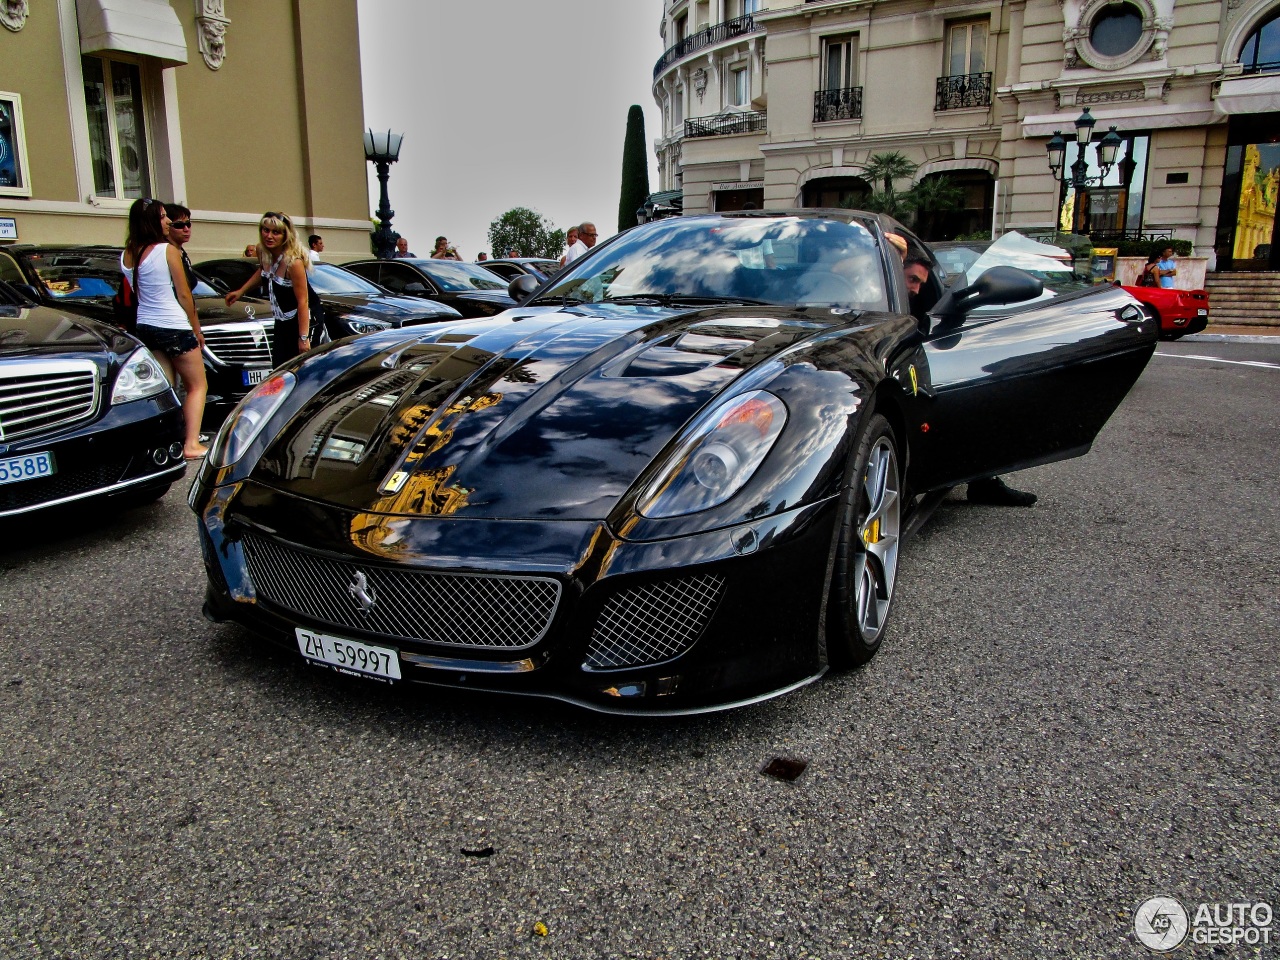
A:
[467, 287]
[83, 279]
[676, 479]
[85, 411]
[510, 268]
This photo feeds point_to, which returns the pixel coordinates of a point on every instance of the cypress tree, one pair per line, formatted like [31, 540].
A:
[635, 170]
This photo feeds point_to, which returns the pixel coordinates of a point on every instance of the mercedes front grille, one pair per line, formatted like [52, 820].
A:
[41, 396]
[245, 344]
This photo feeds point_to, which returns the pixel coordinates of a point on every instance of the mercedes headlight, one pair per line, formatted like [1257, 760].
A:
[717, 456]
[248, 419]
[359, 325]
[141, 376]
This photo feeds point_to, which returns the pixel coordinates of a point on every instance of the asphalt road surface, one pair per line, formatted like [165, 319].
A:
[1074, 712]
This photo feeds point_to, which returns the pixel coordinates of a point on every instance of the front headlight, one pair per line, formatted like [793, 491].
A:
[248, 419]
[720, 453]
[359, 325]
[141, 376]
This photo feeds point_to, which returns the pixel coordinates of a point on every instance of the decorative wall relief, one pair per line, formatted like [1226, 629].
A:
[700, 83]
[211, 27]
[13, 14]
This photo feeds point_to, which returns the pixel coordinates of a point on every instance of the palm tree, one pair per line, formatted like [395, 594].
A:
[888, 167]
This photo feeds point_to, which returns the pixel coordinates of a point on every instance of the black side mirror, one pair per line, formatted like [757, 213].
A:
[998, 285]
[522, 287]
[414, 287]
[28, 291]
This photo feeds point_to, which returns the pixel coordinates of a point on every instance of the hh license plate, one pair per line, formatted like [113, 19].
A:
[26, 467]
[255, 376]
[349, 656]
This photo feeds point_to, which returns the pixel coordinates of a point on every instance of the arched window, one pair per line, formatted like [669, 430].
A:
[849, 192]
[1261, 50]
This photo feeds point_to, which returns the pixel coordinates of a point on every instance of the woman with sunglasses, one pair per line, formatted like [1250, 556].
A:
[167, 321]
[284, 262]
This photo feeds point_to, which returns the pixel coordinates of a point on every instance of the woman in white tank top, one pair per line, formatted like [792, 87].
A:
[167, 321]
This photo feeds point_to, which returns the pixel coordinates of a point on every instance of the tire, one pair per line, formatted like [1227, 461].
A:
[1155, 315]
[864, 574]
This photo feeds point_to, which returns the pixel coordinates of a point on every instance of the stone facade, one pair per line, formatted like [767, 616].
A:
[229, 107]
[973, 91]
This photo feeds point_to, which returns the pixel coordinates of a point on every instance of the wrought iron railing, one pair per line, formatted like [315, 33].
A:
[749, 121]
[1271, 66]
[842, 104]
[1101, 237]
[964, 90]
[704, 38]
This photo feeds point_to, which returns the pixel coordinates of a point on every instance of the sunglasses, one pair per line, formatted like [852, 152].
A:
[180, 224]
[278, 216]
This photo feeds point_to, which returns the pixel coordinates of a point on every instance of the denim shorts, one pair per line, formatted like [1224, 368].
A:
[167, 340]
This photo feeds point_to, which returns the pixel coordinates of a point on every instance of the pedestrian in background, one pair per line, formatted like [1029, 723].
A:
[251, 251]
[284, 264]
[402, 250]
[1168, 268]
[570, 239]
[444, 250]
[316, 243]
[586, 240]
[1150, 273]
[180, 235]
[482, 258]
[167, 321]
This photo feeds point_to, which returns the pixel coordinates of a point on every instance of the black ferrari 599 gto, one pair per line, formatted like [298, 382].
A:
[677, 479]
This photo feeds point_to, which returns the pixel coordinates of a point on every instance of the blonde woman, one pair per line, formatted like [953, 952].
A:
[167, 321]
[284, 263]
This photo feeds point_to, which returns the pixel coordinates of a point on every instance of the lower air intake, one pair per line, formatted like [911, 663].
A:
[652, 623]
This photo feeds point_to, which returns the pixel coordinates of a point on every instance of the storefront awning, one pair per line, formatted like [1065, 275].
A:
[146, 27]
[1253, 94]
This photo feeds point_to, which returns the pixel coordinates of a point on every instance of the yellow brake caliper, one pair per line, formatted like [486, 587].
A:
[872, 533]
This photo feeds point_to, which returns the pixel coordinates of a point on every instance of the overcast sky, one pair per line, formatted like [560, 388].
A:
[506, 103]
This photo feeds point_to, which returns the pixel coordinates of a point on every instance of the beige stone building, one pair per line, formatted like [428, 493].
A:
[781, 103]
[232, 107]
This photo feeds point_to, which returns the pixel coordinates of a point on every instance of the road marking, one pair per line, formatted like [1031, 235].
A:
[1242, 363]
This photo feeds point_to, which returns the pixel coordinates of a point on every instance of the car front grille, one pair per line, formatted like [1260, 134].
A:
[32, 493]
[652, 623]
[450, 609]
[41, 396]
[247, 344]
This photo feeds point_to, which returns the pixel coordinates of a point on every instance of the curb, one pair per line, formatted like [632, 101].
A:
[1228, 338]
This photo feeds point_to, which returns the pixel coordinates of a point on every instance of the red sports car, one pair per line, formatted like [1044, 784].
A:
[1178, 312]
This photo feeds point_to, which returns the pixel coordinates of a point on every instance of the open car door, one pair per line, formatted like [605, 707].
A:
[1005, 387]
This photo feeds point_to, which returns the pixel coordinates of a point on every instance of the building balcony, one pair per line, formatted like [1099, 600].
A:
[1272, 66]
[964, 90]
[729, 30]
[750, 121]
[842, 104]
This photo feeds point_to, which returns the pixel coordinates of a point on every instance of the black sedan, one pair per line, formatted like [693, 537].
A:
[85, 411]
[511, 268]
[467, 287]
[676, 480]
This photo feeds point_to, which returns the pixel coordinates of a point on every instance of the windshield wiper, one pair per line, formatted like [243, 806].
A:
[673, 299]
[562, 300]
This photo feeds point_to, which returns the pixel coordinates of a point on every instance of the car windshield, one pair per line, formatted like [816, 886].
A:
[82, 275]
[326, 278]
[455, 276]
[781, 260]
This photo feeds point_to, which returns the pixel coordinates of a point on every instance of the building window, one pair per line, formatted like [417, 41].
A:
[1261, 51]
[739, 88]
[838, 57]
[1116, 30]
[966, 48]
[117, 128]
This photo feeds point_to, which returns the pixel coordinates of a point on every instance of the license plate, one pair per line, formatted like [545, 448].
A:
[27, 467]
[349, 656]
[255, 376]
[1202, 312]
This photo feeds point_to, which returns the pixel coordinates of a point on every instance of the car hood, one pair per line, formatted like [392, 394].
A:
[538, 413]
[389, 309]
[41, 331]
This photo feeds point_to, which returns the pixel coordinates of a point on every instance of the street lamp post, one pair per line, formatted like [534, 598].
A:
[383, 149]
[1078, 177]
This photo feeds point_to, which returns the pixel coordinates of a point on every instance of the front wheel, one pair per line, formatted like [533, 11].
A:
[866, 560]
